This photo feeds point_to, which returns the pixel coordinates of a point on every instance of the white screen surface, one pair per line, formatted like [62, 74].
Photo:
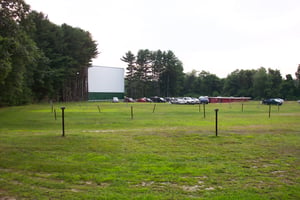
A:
[106, 79]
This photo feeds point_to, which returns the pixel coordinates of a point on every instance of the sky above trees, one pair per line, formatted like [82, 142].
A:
[216, 36]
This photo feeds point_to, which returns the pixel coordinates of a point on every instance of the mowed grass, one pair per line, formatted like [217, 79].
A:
[171, 153]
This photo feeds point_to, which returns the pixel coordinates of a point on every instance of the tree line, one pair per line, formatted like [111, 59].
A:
[40, 60]
[160, 73]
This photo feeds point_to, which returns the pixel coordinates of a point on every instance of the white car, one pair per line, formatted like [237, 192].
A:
[115, 100]
[178, 101]
[189, 100]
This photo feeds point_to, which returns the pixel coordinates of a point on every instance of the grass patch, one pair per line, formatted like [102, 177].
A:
[169, 154]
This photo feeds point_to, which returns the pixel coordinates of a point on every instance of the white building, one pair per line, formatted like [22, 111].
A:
[105, 83]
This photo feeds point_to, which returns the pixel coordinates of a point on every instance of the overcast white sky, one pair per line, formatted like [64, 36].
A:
[218, 36]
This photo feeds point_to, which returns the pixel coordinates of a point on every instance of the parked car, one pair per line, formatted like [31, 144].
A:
[204, 99]
[189, 100]
[281, 100]
[178, 101]
[144, 99]
[158, 99]
[128, 99]
[115, 100]
[169, 99]
[141, 100]
[272, 101]
[196, 100]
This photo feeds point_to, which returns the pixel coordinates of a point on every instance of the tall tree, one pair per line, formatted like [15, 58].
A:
[158, 66]
[210, 84]
[144, 71]
[69, 52]
[260, 83]
[40, 60]
[288, 88]
[154, 73]
[78, 50]
[231, 84]
[274, 80]
[171, 79]
[239, 83]
[130, 59]
[18, 53]
[191, 83]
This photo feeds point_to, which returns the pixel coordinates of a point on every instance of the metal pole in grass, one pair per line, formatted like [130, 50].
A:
[63, 120]
[216, 110]
[99, 109]
[269, 110]
[242, 107]
[131, 112]
[154, 108]
[55, 114]
[204, 110]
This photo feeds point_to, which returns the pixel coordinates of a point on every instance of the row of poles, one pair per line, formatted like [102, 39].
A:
[154, 107]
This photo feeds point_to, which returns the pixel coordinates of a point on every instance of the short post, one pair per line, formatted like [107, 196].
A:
[216, 110]
[131, 112]
[99, 109]
[55, 114]
[199, 107]
[154, 108]
[269, 110]
[242, 107]
[278, 107]
[204, 110]
[63, 120]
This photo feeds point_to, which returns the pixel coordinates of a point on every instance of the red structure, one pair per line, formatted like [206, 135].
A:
[227, 99]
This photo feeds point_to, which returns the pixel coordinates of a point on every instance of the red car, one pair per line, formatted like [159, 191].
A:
[144, 100]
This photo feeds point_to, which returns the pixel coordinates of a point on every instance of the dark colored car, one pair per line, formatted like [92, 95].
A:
[158, 99]
[204, 100]
[272, 101]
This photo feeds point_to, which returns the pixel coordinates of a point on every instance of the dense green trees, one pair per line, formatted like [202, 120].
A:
[40, 60]
[160, 73]
[18, 53]
[151, 73]
[258, 84]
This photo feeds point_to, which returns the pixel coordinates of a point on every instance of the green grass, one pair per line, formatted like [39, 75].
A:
[172, 153]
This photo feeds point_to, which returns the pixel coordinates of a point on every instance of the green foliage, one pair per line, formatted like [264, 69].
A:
[40, 60]
[69, 52]
[239, 83]
[260, 83]
[288, 88]
[153, 73]
[5, 60]
[257, 84]
[160, 73]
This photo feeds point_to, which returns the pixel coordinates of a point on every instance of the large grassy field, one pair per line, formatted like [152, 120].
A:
[171, 153]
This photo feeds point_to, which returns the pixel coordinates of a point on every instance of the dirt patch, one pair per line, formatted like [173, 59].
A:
[7, 198]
